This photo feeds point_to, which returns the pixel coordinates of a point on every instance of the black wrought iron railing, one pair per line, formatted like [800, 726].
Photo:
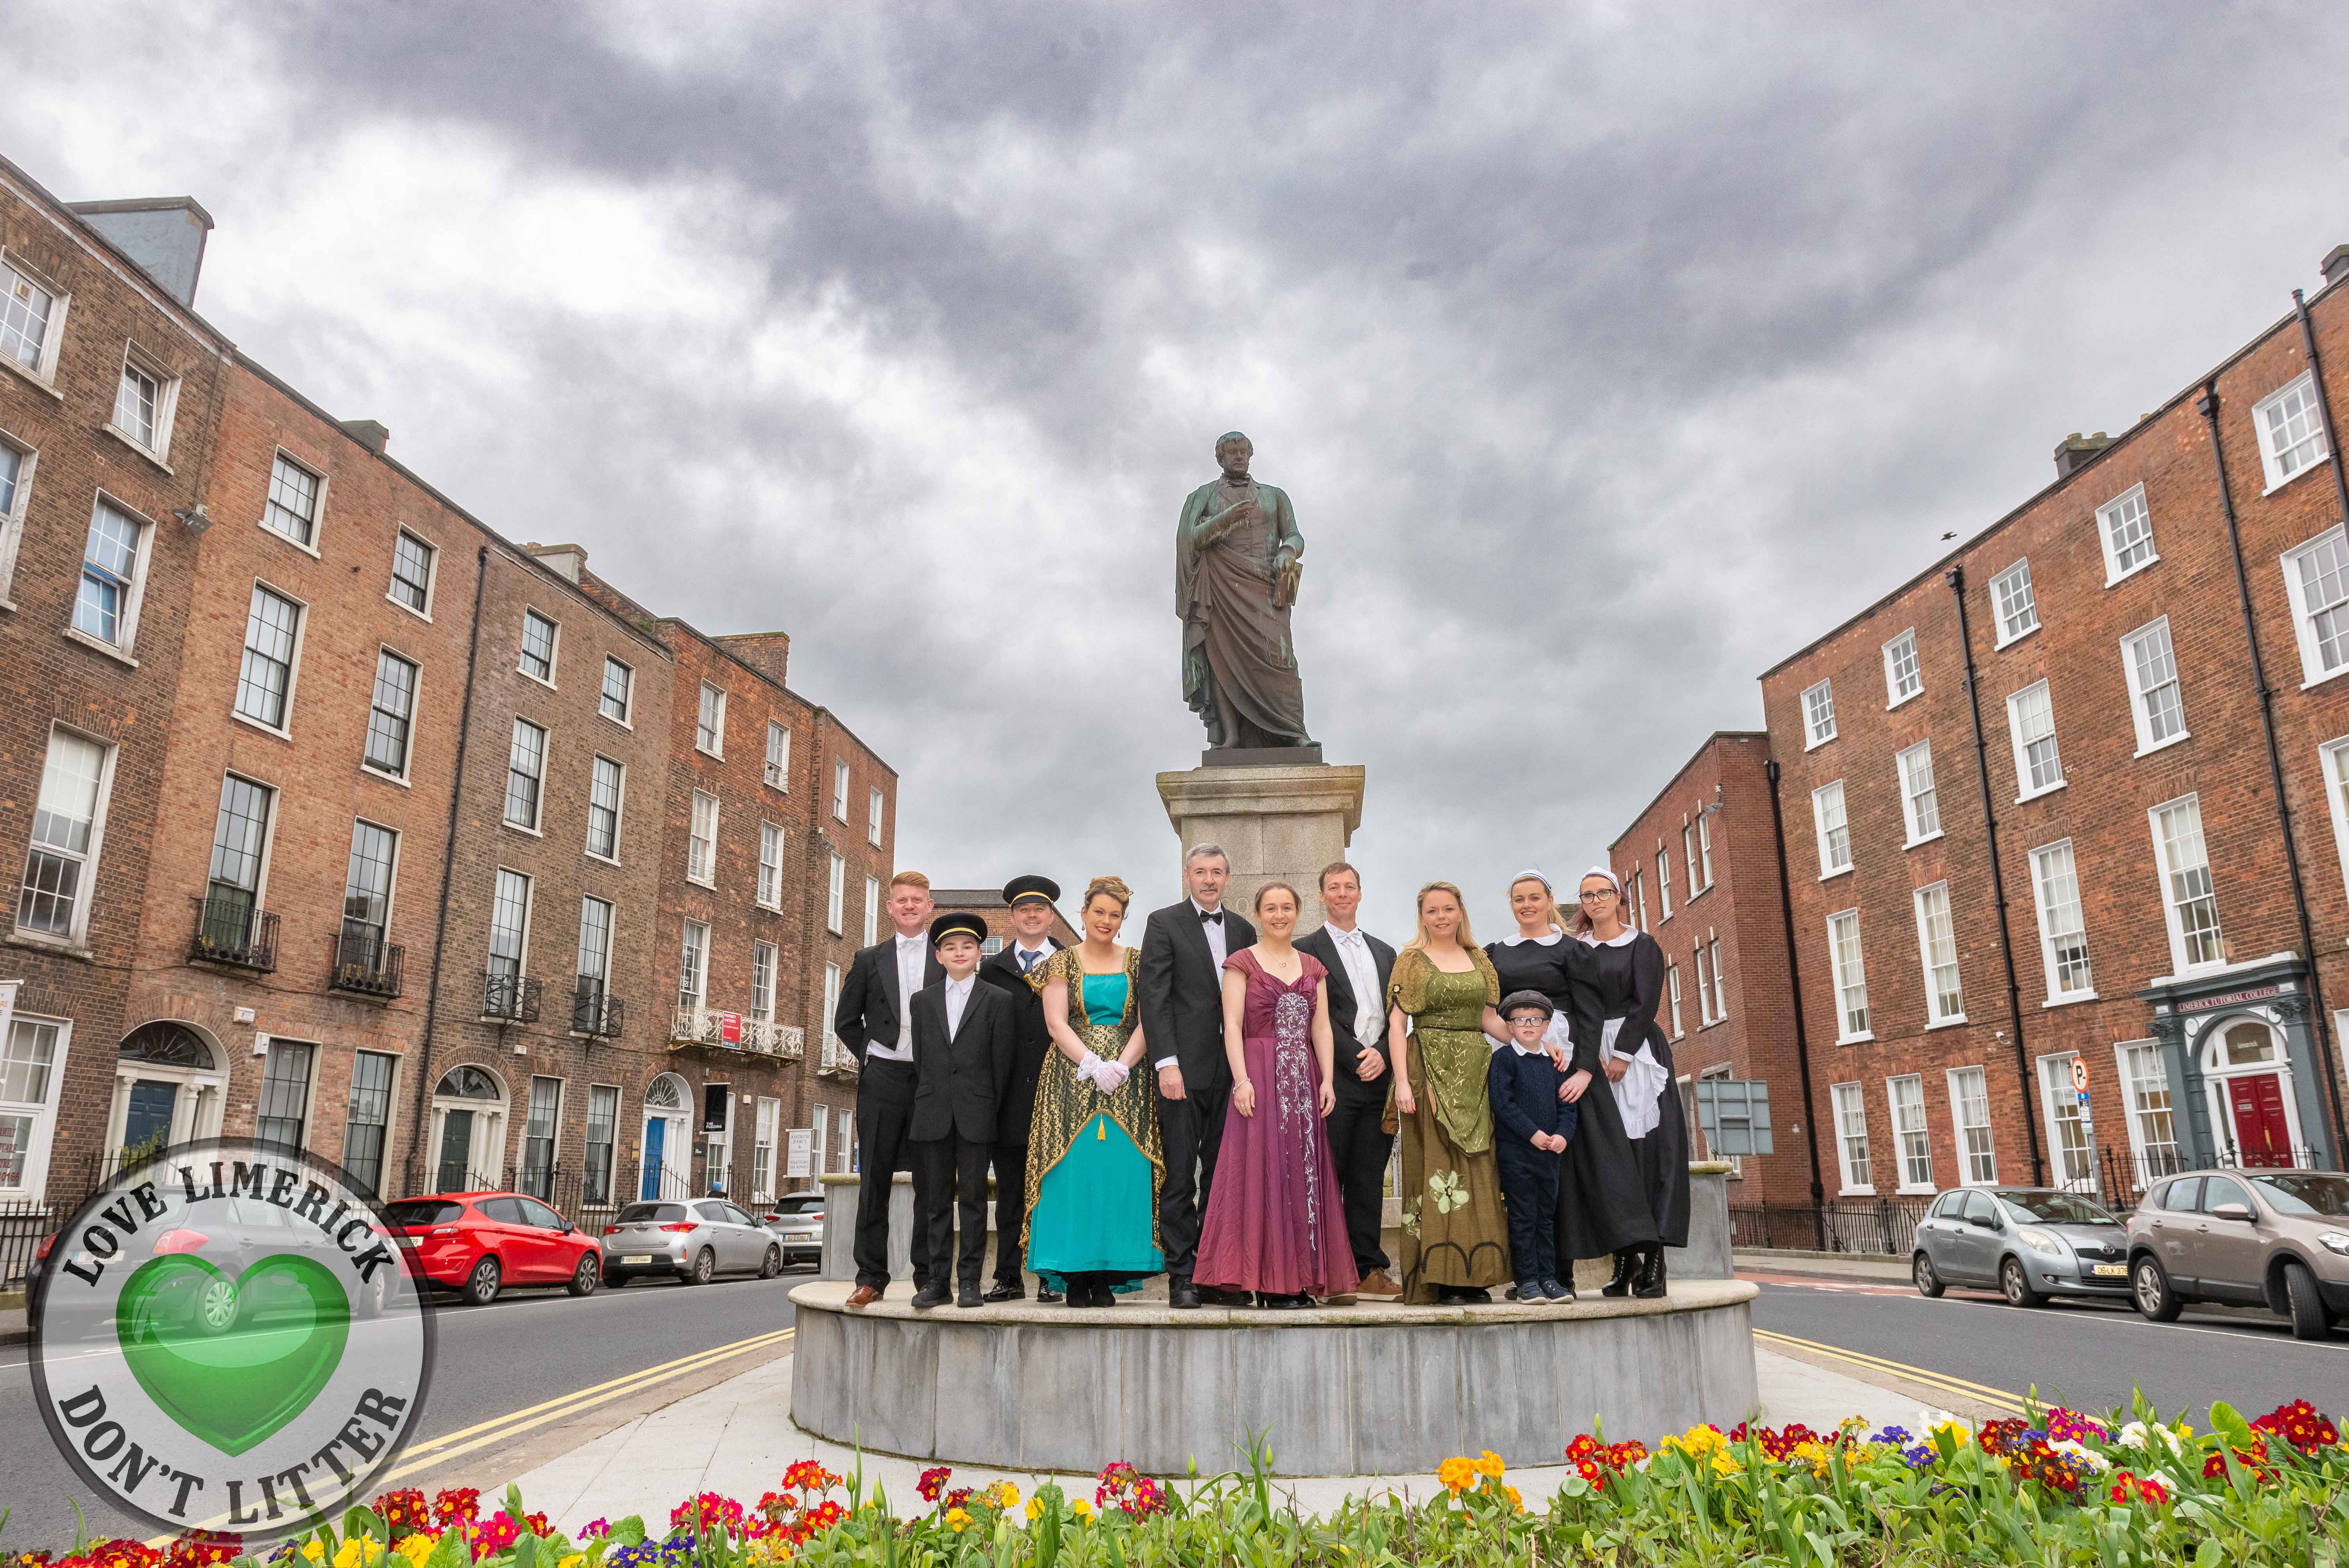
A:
[510, 999]
[366, 963]
[231, 930]
[595, 1011]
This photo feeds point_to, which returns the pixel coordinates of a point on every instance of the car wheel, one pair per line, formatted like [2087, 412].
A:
[2309, 1318]
[705, 1267]
[373, 1296]
[215, 1308]
[587, 1275]
[773, 1265]
[2016, 1285]
[1928, 1282]
[2149, 1288]
[481, 1284]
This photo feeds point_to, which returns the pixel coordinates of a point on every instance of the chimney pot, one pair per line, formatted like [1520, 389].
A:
[2076, 451]
[2335, 264]
[164, 234]
[368, 433]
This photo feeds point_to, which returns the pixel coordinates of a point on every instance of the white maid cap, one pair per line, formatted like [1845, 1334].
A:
[1613, 881]
[1530, 874]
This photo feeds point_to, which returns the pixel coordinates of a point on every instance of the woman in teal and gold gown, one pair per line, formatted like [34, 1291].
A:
[1093, 1161]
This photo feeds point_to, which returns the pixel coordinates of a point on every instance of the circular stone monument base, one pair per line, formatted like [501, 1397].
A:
[1337, 1391]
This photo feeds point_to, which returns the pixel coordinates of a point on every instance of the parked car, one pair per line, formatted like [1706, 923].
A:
[481, 1242]
[232, 1237]
[2276, 1239]
[693, 1240]
[2028, 1242]
[798, 1223]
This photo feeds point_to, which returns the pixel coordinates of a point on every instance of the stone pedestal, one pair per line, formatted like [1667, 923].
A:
[1277, 824]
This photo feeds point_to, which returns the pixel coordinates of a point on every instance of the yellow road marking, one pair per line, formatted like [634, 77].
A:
[1980, 1392]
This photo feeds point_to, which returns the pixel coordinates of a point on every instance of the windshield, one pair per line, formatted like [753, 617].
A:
[650, 1214]
[800, 1206]
[422, 1212]
[2056, 1209]
[2304, 1194]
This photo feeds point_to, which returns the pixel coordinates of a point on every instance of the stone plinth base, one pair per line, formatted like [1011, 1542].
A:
[1352, 1391]
[1277, 823]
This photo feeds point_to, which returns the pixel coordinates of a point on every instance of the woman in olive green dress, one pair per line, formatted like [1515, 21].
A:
[1455, 1238]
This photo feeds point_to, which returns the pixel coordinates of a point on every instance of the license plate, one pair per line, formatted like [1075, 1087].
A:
[2112, 1270]
[408, 1241]
[637, 1258]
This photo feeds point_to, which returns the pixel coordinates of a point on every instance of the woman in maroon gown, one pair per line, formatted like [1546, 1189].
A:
[1275, 1223]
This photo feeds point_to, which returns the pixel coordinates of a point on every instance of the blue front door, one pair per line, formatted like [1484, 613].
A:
[656, 1135]
[147, 1120]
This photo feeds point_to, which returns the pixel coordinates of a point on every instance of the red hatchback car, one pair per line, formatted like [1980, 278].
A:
[479, 1243]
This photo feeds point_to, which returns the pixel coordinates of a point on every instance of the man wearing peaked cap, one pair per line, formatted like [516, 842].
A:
[963, 1037]
[1031, 899]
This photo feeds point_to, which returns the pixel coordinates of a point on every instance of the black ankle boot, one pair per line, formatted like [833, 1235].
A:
[1651, 1282]
[1627, 1263]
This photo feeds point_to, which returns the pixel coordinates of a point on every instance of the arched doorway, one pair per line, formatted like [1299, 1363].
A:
[170, 1084]
[668, 1164]
[469, 1131]
[2248, 1080]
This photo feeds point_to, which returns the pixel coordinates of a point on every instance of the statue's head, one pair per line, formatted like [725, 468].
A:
[1233, 451]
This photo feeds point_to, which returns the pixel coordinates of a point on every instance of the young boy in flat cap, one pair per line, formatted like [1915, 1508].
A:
[965, 1035]
[1031, 899]
[1530, 1128]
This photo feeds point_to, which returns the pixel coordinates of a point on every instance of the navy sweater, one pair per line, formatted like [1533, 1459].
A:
[1523, 1090]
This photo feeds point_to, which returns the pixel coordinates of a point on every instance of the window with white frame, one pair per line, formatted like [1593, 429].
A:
[1920, 807]
[595, 947]
[779, 756]
[32, 1055]
[538, 635]
[2316, 580]
[16, 465]
[1664, 878]
[2334, 757]
[1672, 990]
[1688, 859]
[367, 894]
[1851, 1138]
[32, 319]
[835, 895]
[1818, 714]
[2189, 899]
[412, 561]
[701, 843]
[1704, 846]
[1906, 1095]
[144, 401]
[602, 1136]
[2151, 667]
[62, 856]
[1703, 990]
[2070, 1157]
[1903, 678]
[1720, 984]
[526, 774]
[872, 911]
[2153, 1133]
[840, 789]
[693, 964]
[771, 865]
[272, 625]
[239, 846]
[2063, 938]
[766, 1128]
[2291, 430]
[1640, 890]
[391, 713]
[106, 606]
[1937, 944]
[607, 791]
[2124, 529]
[709, 724]
[1969, 1116]
[619, 687]
[509, 926]
[538, 1136]
[292, 508]
[831, 1040]
[2017, 608]
[1850, 975]
[846, 1120]
[819, 1120]
[282, 1113]
[1834, 829]
[2031, 724]
[762, 982]
[872, 808]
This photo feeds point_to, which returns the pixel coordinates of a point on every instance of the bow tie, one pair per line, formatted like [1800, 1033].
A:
[1215, 915]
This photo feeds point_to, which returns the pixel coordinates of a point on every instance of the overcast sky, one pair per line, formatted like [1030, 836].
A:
[1608, 354]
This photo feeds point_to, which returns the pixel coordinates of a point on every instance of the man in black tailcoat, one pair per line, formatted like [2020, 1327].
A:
[1360, 966]
[872, 1021]
[964, 1038]
[1031, 899]
[1184, 947]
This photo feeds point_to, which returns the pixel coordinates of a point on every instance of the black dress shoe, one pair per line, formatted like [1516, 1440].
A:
[1649, 1284]
[968, 1296]
[1183, 1295]
[1008, 1293]
[1626, 1264]
[928, 1296]
[1102, 1296]
[1047, 1296]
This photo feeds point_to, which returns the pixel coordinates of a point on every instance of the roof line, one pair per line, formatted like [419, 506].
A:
[1669, 784]
[62, 214]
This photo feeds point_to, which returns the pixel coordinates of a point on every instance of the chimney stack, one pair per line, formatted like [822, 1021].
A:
[368, 433]
[2074, 452]
[164, 234]
[570, 560]
[2335, 264]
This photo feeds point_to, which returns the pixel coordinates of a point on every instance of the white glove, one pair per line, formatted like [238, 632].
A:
[1112, 1076]
[1087, 1067]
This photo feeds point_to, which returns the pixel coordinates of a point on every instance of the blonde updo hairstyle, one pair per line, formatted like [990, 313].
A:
[1114, 887]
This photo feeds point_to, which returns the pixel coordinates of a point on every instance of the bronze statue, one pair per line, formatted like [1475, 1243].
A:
[1237, 564]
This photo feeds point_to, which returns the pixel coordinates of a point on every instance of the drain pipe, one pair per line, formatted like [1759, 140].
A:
[1802, 1035]
[1956, 578]
[448, 870]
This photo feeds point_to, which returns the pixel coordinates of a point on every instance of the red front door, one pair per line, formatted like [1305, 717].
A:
[2261, 1132]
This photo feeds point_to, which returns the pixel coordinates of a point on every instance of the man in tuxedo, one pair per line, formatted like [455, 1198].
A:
[1031, 899]
[965, 1035]
[1184, 947]
[1359, 966]
[874, 1022]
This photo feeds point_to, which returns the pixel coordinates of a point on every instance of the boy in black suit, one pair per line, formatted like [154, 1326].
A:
[1184, 947]
[874, 1024]
[1031, 899]
[964, 1038]
[1360, 966]
[1530, 1128]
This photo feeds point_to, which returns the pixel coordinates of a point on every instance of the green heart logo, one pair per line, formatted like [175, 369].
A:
[232, 1388]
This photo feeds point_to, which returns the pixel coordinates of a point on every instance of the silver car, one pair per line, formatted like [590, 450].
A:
[798, 1223]
[694, 1241]
[2028, 1242]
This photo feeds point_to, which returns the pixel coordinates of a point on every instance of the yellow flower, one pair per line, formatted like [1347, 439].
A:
[956, 1520]
[573, 1561]
[1035, 1507]
[1489, 1463]
[313, 1551]
[1723, 1465]
[1516, 1504]
[1002, 1494]
[1456, 1474]
[416, 1548]
[358, 1551]
[1699, 1440]
[1080, 1508]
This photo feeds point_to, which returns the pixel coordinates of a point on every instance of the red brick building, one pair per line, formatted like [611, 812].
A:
[2072, 800]
[1701, 867]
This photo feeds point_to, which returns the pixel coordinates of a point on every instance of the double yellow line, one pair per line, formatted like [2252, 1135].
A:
[1974, 1393]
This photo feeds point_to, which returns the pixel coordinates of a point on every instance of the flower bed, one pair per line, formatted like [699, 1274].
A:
[2059, 1487]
